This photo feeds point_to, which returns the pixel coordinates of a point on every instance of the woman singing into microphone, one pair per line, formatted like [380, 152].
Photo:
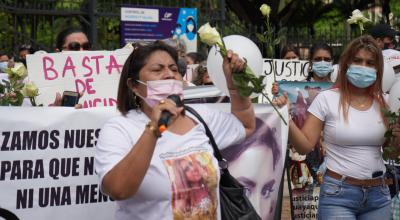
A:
[172, 175]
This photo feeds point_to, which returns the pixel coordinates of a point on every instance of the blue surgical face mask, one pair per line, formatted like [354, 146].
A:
[3, 66]
[361, 76]
[322, 68]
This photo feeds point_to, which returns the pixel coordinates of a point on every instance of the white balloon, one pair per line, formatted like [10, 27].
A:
[394, 96]
[245, 48]
[40, 52]
[388, 77]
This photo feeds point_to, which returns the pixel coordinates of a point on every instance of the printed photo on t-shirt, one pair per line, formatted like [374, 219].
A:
[194, 186]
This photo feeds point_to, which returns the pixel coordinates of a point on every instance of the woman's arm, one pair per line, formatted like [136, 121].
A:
[306, 138]
[124, 179]
[241, 107]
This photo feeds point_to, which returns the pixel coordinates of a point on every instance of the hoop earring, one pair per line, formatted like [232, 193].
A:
[136, 101]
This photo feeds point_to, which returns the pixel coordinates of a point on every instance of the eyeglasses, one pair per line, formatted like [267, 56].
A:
[77, 46]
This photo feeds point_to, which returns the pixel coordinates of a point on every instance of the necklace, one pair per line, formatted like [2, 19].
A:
[361, 102]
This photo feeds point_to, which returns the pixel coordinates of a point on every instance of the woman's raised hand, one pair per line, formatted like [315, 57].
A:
[232, 63]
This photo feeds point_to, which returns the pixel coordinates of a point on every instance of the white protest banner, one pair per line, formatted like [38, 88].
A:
[47, 164]
[280, 70]
[47, 169]
[96, 73]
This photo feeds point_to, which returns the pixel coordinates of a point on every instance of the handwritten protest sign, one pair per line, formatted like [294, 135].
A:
[283, 70]
[96, 73]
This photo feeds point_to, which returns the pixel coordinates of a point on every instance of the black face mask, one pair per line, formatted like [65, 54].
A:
[22, 60]
[386, 46]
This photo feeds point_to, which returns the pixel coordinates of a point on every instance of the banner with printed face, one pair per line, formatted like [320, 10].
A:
[95, 73]
[305, 171]
[258, 161]
[47, 169]
[142, 23]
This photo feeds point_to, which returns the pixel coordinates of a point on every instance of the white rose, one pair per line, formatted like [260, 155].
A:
[30, 90]
[18, 71]
[265, 10]
[357, 17]
[209, 35]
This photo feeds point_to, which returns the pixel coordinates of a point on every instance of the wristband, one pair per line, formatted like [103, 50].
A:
[153, 129]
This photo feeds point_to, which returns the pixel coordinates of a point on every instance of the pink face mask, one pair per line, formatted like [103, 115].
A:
[158, 90]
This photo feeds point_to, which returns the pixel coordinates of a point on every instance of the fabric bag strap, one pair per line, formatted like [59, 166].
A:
[223, 164]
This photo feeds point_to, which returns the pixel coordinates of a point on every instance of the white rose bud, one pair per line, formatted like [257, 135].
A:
[265, 10]
[357, 17]
[21, 71]
[18, 71]
[209, 35]
[30, 90]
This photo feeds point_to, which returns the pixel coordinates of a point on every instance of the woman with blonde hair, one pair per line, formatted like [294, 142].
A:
[354, 185]
[192, 197]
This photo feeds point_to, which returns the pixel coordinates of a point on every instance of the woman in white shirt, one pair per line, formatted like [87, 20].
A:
[353, 125]
[173, 176]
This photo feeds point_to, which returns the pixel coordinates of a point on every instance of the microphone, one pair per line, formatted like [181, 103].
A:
[165, 117]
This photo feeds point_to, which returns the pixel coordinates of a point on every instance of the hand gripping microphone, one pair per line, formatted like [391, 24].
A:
[165, 118]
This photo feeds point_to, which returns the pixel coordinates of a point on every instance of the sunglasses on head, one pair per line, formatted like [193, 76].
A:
[77, 46]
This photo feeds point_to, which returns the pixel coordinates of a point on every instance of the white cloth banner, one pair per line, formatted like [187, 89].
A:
[46, 161]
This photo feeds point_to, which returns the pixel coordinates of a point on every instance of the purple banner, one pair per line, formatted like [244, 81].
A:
[141, 23]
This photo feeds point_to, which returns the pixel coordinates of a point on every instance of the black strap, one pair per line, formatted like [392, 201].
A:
[392, 169]
[217, 154]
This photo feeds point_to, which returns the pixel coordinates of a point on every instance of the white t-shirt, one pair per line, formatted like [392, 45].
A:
[353, 148]
[182, 180]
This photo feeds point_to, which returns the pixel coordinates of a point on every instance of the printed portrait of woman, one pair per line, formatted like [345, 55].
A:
[191, 29]
[257, 164]
[194, 187]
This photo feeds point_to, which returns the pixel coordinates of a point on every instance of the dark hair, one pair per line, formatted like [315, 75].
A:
[288, 48]
[135, 62]
[316, 47]
[262, 135]
[190, 18]
[382, 30]
[196, 57]
[27, 47]
[60, 40]
[2, 53]
[200, 71]
[182, 66]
